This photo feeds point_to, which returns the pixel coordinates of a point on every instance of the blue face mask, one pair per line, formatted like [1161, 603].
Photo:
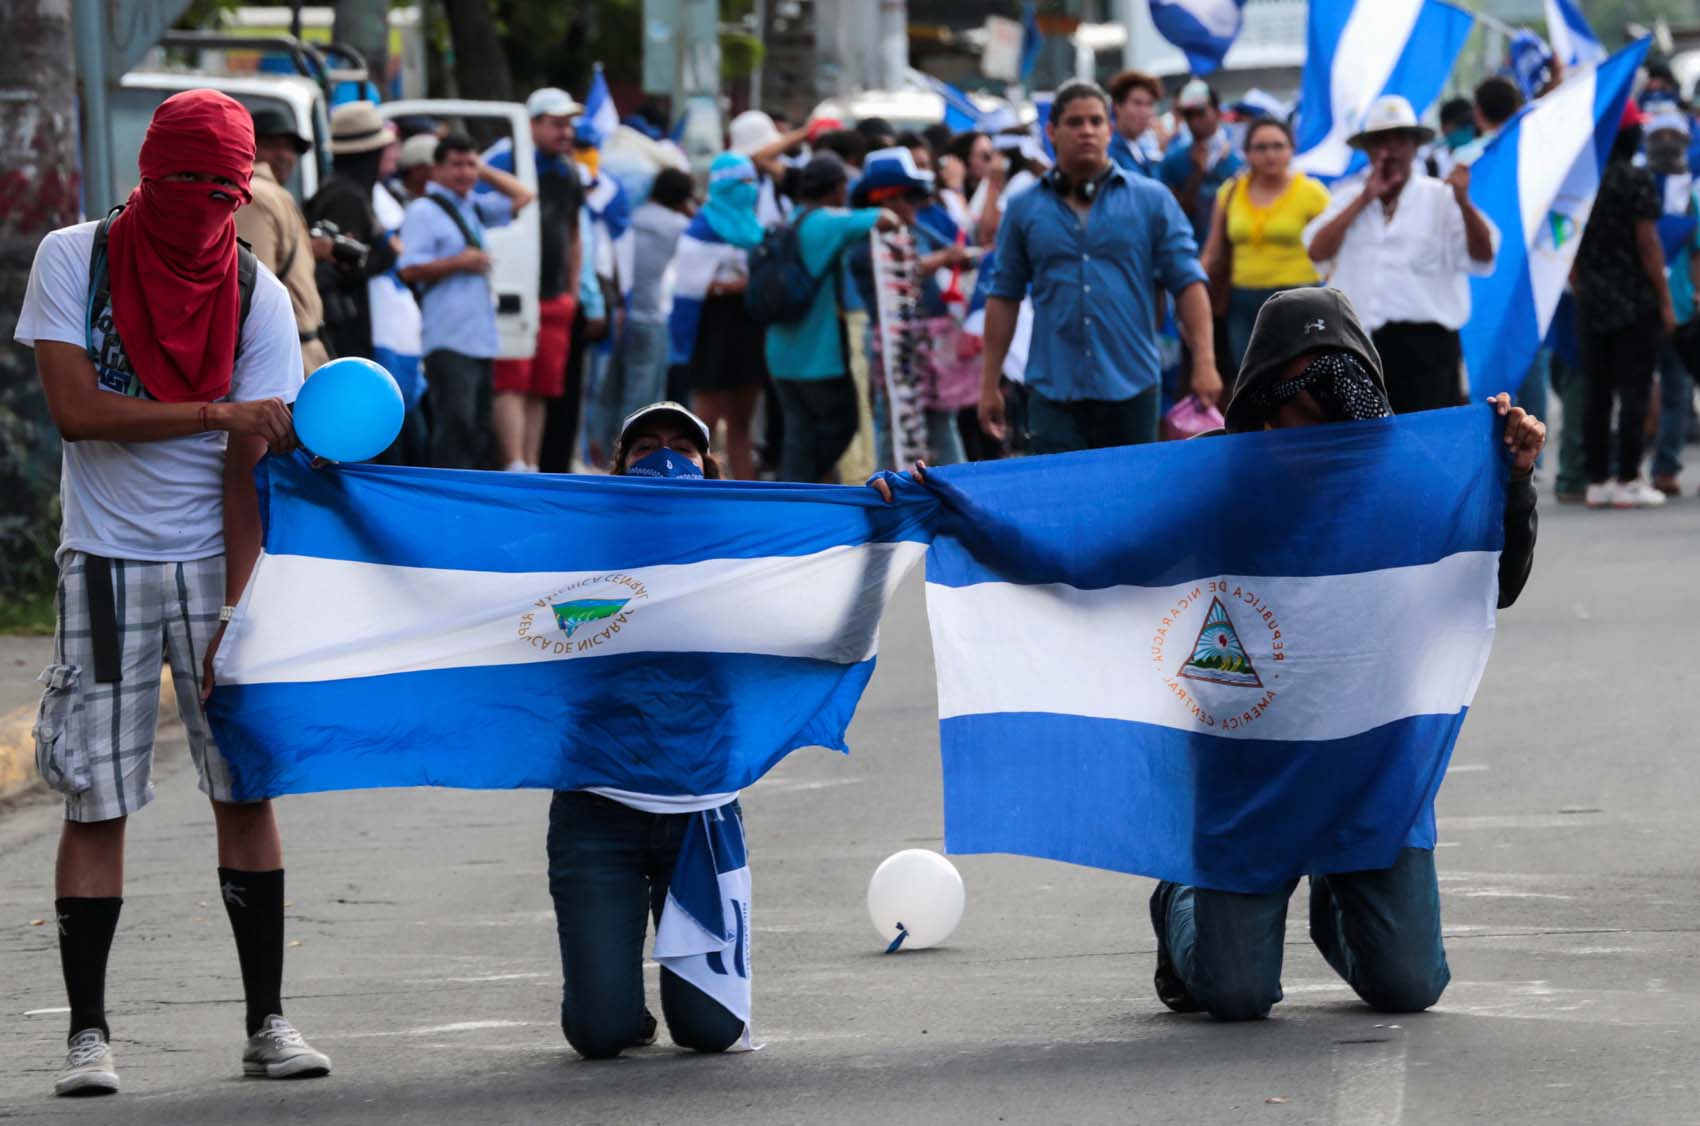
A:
[664, 463]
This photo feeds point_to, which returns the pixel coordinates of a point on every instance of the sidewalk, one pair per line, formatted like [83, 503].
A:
[22, 658]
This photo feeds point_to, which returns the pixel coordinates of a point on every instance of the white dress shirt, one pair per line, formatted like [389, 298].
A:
[1414, 267]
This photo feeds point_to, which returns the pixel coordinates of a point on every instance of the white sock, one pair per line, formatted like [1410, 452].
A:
[516, 466]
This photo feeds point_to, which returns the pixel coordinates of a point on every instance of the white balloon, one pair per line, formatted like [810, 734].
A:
[917, 894]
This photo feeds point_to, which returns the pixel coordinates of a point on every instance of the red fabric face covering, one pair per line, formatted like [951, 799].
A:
[171, 253]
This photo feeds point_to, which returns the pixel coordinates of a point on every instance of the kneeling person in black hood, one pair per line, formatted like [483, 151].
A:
[1310, 362]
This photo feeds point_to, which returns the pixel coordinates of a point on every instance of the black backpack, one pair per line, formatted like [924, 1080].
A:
[100, 281]
[780, 288]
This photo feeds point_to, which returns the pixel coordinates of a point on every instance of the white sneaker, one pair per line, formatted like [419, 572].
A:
[1601, 496]
[516, 466]
[1636, 494]
[277, 1051]
[89, 1067]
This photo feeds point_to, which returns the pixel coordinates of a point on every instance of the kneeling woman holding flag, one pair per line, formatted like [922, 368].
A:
[617, 859]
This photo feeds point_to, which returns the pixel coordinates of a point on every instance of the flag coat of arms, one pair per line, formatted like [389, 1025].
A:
[413, 627]
[1225, 662]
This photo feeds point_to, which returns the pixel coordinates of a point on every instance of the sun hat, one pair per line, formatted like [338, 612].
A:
[356, 127]
[1389, 114]
[699, 428]
[552, 101]
[751, 131]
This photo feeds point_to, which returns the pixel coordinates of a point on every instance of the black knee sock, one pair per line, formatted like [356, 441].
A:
[86, 926]
[254, 902]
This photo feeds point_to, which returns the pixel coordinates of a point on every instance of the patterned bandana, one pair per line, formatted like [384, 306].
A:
[1340, 386]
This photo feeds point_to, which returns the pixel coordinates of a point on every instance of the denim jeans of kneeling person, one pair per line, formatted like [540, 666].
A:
[1380, 930]
[609, 868]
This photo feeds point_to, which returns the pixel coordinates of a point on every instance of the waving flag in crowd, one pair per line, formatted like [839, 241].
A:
[1358, 50]
[1202, 29]
[1228, 690]
[600, 117]
[961, 115]
[1032, 39]
[1536, 180]
[412, 627]
[1573, 41]
[1529, 59]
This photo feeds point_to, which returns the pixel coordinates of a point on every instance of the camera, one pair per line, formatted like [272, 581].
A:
[347, 252]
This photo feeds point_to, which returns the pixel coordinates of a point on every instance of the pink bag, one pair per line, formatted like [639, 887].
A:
[1188, 418]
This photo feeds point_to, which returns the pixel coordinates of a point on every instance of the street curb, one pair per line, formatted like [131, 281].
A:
[18, 775]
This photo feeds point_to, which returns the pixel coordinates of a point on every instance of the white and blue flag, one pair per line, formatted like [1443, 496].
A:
[1229, 682]
[1536, 181]
[961, 115]
[601, 117]
[700, 257]
[421, 627]
[1573, 41]
[1358, 50]
[1202, 29]
[704, 932]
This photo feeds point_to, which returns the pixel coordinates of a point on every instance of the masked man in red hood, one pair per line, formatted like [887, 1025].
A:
[168, 358]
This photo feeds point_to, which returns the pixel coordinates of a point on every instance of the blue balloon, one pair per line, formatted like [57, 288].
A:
[349, 410]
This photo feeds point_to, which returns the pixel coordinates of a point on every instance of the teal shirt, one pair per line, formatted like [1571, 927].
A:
[809, 348]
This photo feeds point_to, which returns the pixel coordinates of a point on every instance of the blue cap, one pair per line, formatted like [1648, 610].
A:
[893, 168]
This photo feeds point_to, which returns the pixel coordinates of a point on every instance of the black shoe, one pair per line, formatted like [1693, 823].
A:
[1171, 990]
[646, 1031]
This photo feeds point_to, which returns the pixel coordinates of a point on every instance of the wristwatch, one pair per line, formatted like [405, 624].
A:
[225, 613]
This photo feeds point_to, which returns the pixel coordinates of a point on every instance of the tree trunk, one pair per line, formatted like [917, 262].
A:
[481, 66]
[39, 189]
[365, 26]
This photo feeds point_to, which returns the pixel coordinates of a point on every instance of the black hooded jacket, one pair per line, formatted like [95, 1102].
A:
[1296, 321]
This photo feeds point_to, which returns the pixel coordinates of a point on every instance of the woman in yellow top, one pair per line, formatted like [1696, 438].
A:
[1256, 242]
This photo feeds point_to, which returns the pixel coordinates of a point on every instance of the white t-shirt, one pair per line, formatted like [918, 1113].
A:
[159, 501]
[658, 803]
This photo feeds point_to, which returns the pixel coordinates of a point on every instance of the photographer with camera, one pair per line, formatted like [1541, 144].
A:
[274, 230]
[341, 214]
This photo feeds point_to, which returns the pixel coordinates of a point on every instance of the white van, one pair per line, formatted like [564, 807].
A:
[515, 249]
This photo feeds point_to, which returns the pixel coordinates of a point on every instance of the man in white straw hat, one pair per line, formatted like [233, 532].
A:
[1402, 247]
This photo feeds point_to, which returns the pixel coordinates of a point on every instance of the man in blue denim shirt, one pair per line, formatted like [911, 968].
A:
[1093, 242]
[457, 308]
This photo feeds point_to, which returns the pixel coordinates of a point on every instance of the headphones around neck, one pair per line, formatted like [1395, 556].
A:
[1083, 190]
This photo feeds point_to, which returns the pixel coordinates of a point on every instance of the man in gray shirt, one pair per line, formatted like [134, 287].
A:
[656, 227]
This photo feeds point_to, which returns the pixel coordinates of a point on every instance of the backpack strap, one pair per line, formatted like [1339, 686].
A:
[247, 274]
[459, 220]
[100, 281]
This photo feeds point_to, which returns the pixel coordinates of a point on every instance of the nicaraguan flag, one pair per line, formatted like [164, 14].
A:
[420, 627]
[1226, 662]
[704, 933]
[1573, 41]
[1202, 29]
[961, 115]
[1536, 181]
[600, 117]
[1032, 39]
[700, 256]
[1358, 50]
[1528, 58]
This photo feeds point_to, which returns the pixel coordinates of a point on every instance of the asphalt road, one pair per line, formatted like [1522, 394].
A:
[1570, 868]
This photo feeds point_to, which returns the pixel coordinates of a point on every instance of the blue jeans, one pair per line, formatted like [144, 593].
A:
[1380, 930]
[647, 344]
[1243, 305]
[1676, 401]
[609, 867]
[1064, 426]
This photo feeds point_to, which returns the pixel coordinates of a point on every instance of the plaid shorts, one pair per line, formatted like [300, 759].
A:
[94, 742]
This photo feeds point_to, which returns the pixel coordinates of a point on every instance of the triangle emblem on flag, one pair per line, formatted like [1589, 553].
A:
[1217, 655]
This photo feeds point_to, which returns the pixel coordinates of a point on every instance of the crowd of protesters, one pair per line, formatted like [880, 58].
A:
[1058, 264]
